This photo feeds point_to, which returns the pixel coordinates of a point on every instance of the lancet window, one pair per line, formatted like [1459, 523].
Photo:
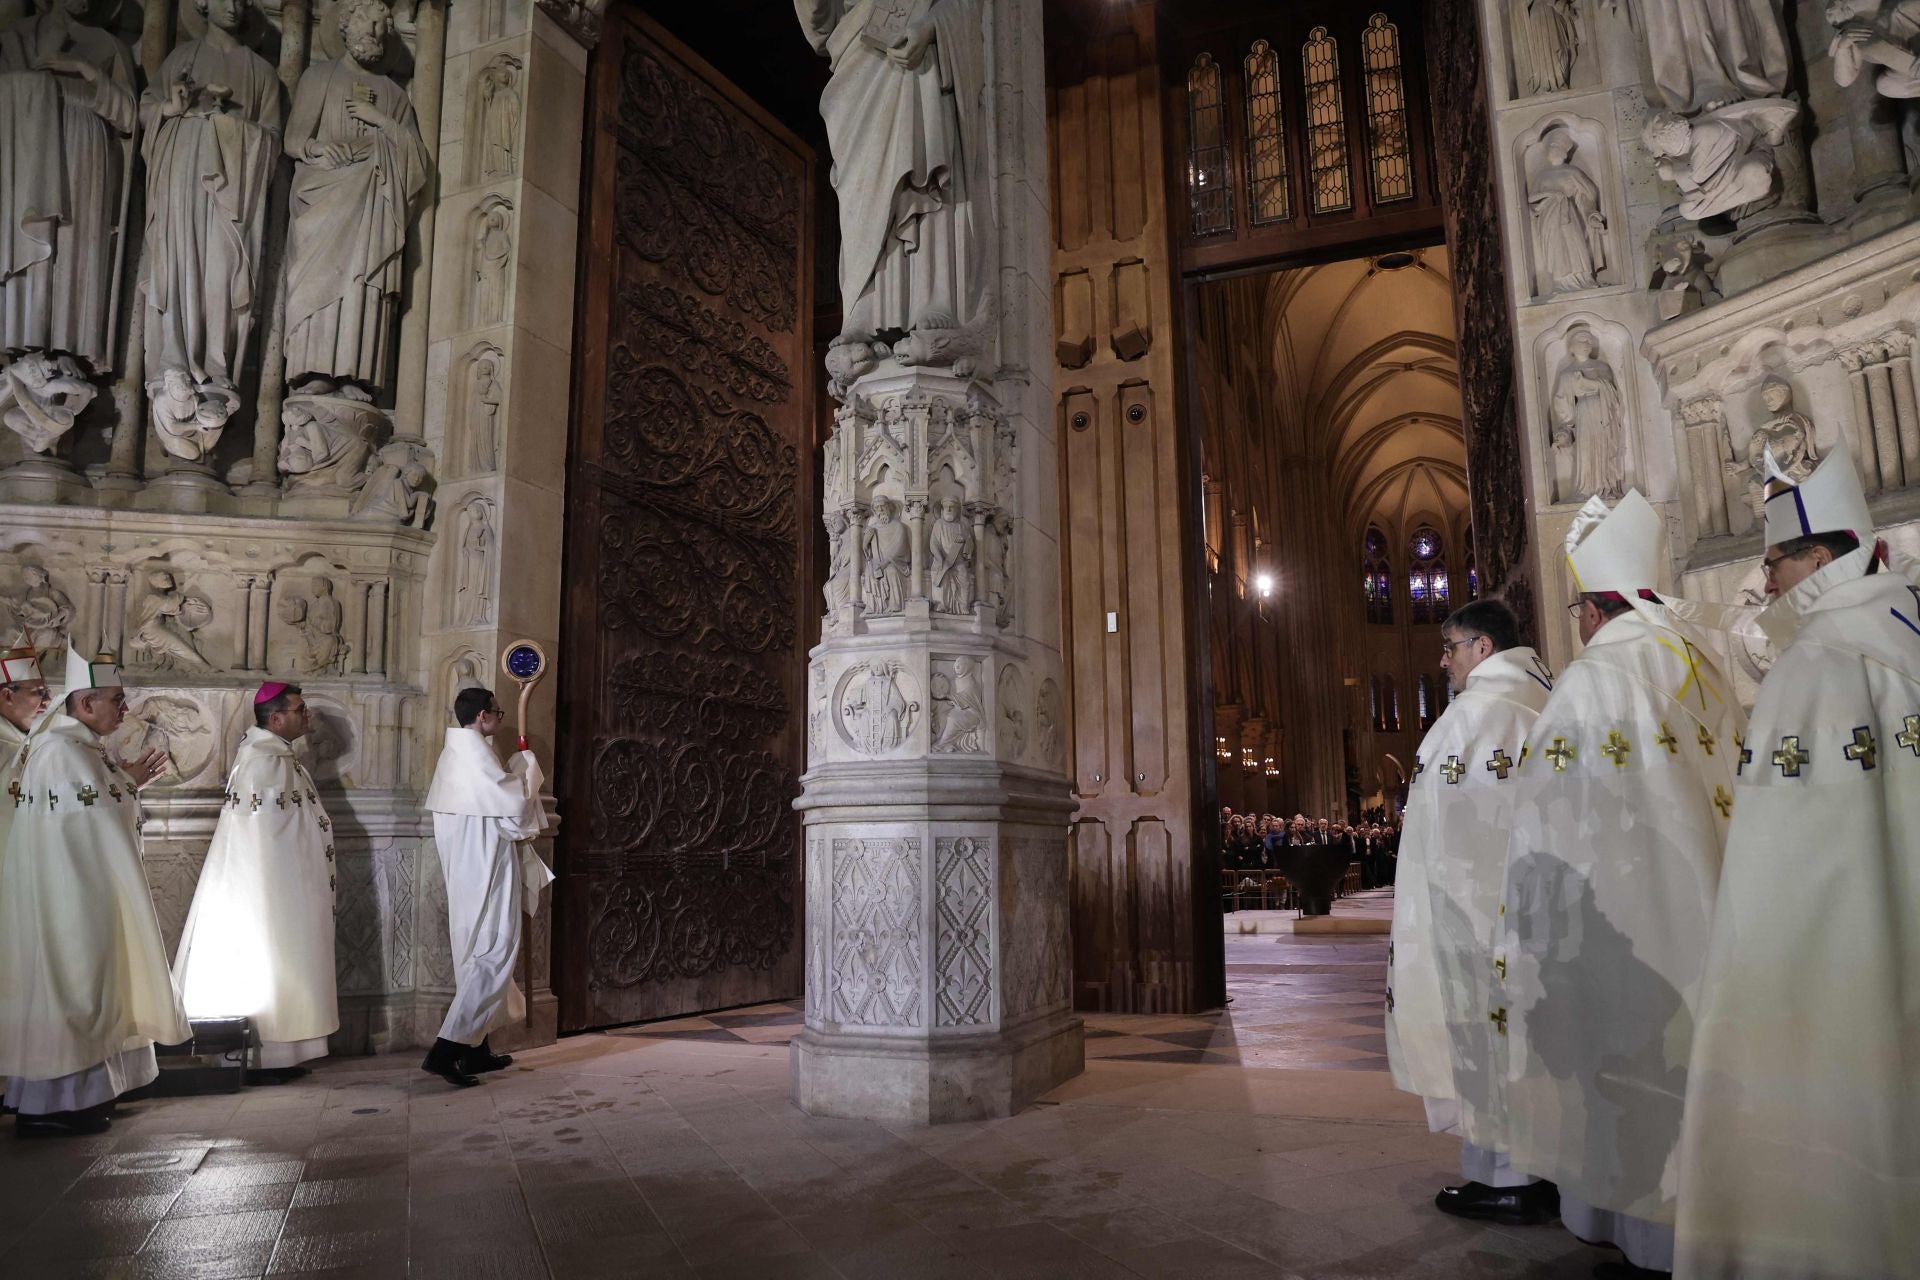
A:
[1209, 158]
[1269, 197]
[1389, 146]
[1330, 179]
[1427, 577]
[1376, 577]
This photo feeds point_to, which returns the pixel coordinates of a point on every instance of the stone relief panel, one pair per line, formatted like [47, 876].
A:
[1584, 364]
[490, 233]
[1544, 37]
[1015, 713]
[32, 602]
[1576, 215]
[181, 727]
[493, 120]
[479, 395]
[876, 706]
[1050, 726]
[963, 944]
[475, 564]
[817, 693]
[878, 945]
[310, 638]
[959, 706]
[1036, 966]
[169, 618]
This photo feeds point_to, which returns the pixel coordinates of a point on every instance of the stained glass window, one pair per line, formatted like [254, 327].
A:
[1427, 578]
[1268, 197]
[1330, 181]
[1376, 578]
[1425, 695]
[1389, 149]
[1473, 569]
[1209, 181]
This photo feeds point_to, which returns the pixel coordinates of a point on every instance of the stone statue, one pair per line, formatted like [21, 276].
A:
[466, 671]
[492, 256]
[473, 578]
[393, 488]
[905, 122]
[1884, 35]
[960, 711]
[1049, 718]
[210, 134]
[499, 140]
[1546, 38]
[1589, 417]
[359, 169]
[42, 395]
[168, 620]
[325, 444]
[1722, 160]
[950, 548]
[43, 610]
[1709, 53]
[889, 557]
[1787, 434]
[318, 619]
[877, 715]
[483, 417]
[1569, 231]
[174, 727]
[67, 115]
[1680, 281]
[839, 588]
[999, 575]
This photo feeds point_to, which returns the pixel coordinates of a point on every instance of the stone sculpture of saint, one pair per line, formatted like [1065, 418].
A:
[483, 418]
[1589, 416]
[322, 648]
[950, 549]
[963, 709]
[999, 576]
[1569, 231]
[839, 588]
[67, 111]
[359, 169]
[392, 489]
[499, 120]
[906, 127]
[492, 255]
[210, 134]
[1709, 53]
[889, 557]
[1721, 161]
[44, 610]
[168, 619]
[1871, 33]
[41, 396]
[1546, 38]
[1787, 434]
[473, 589]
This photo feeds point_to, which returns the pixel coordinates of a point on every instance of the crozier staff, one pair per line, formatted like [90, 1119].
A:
[259, 939]
[84, 988]
[485, 817]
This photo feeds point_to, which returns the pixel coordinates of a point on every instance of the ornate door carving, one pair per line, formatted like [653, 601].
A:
[686, 601]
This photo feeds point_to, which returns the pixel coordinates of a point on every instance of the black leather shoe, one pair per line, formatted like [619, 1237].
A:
[481, 1059]
[65, 1124]
[1624, 1270]
[1528, 1206]
[445, 1060]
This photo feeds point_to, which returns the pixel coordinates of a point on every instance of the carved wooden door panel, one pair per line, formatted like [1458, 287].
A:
[683, 667]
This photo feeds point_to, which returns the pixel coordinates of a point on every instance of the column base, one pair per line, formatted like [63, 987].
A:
[929, 1081]
[186, 491]
[1771, 248]
[45, 480]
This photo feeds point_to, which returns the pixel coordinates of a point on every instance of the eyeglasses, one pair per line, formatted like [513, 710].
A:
[1771, 567]
[1573, 610]
[1448, 646]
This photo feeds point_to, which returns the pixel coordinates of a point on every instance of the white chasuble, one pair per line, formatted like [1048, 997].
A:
[1452, 869]
[1801, 1155]
[83, 970]
[259, 939]
[13, 756]
[1620, 816]
[485, 817]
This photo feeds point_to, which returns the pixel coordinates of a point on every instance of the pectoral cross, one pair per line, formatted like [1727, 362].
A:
[86, 795]
[13, 789]
[1499, 1019]
[1501, 764]
[1723, 802]
[1667, 740]
[1706, 740]
[1561, 754]
[1453, 769]
[1790, 757]
[1910, 738]
[1863, 750]
[1617, 749]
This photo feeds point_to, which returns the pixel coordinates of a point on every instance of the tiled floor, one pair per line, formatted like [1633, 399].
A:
[1266, 1141]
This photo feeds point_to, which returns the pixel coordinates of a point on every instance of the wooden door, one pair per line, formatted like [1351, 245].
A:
[689, 487]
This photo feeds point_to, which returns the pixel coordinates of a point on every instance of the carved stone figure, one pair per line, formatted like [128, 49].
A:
[1589, 417]
[483, 416]
[839, 588]
[360, 166]
[1569, 231]
[1012, 698]
[1049, 722]
[210, 125]
[950, 548]
[1722, 160]
[905, 123]
[877, 716]
[393, 489]
[41, 395]
[325, 443]
[1787, 434]
[43, 610]
[174, 727]
[492, 256]
[889, 559]
[164, 637]
[1708, 53]
[999, 575]
[1681, 281]
[1883, 35]
[959, 709]
[1546, 38]
[466, 671]
[499, 138]
[473, 578]
[318, 619]
[67, 115]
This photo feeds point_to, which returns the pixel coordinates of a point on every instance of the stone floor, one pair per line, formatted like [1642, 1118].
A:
[1265, 1141]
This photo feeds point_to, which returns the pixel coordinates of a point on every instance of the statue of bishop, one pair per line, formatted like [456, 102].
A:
[360, 167]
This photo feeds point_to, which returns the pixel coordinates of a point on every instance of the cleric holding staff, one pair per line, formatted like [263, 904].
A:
[485, 818]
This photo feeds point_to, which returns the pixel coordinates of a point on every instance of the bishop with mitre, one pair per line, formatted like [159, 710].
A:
[1452, 872]
[259, 938]
[485, 817]
[1798, 1157]
[85, 992]
[23, 696]
[1620, 816]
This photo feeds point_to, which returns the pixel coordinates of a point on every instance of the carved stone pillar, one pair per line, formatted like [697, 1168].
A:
[376, 664]
[97, 609]
[113, 616]
[1860, 437]
[259, 606]
[1879, 160]
[353, 624]
[917, 539]
[1886, 427]
[979, 511]
[294, 20]
[247, 659]
[857, 595]
[1906, 414]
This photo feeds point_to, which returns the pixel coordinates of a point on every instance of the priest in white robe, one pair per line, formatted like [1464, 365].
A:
[85, 992]
[485, 817]
[1800, 1158]
[1620, 816]
[23, 698]
[1453, 864]
[259, 938]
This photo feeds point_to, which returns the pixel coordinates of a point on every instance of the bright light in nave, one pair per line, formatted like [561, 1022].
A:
[1264, 584]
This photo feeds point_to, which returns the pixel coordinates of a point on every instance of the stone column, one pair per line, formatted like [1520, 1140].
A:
[937, 965]
[1860, 436]
[258, 610]
[377, 628]
[353, 624]
[430, 54]
[1886, 428]
[916, 514]
[1879, 162]
[248, 659]
[857, 530]
[979, 511]
[113, 617]
[1906, 416]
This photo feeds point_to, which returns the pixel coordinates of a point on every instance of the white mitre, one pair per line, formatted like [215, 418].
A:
[1828, 501]
[1615, 550]
[85, 673]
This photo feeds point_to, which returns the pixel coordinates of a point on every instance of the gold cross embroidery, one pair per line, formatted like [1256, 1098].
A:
[1667, 740]
[256, 803]
[1419, 767]
[325, 825]
[113, 789]
[1500, 966]
[1863, 750]
[1617, 749]
[86, 795]
[1499, 1019]
[1910, 739]
[1452, 769]
[311, 798]
[1706, 740]
[1723, 802]
[1790, 757]
[329, 853]
[1561, 754]
[1501, 764]
[1526, 749]
[295, 797]
[280, 801]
